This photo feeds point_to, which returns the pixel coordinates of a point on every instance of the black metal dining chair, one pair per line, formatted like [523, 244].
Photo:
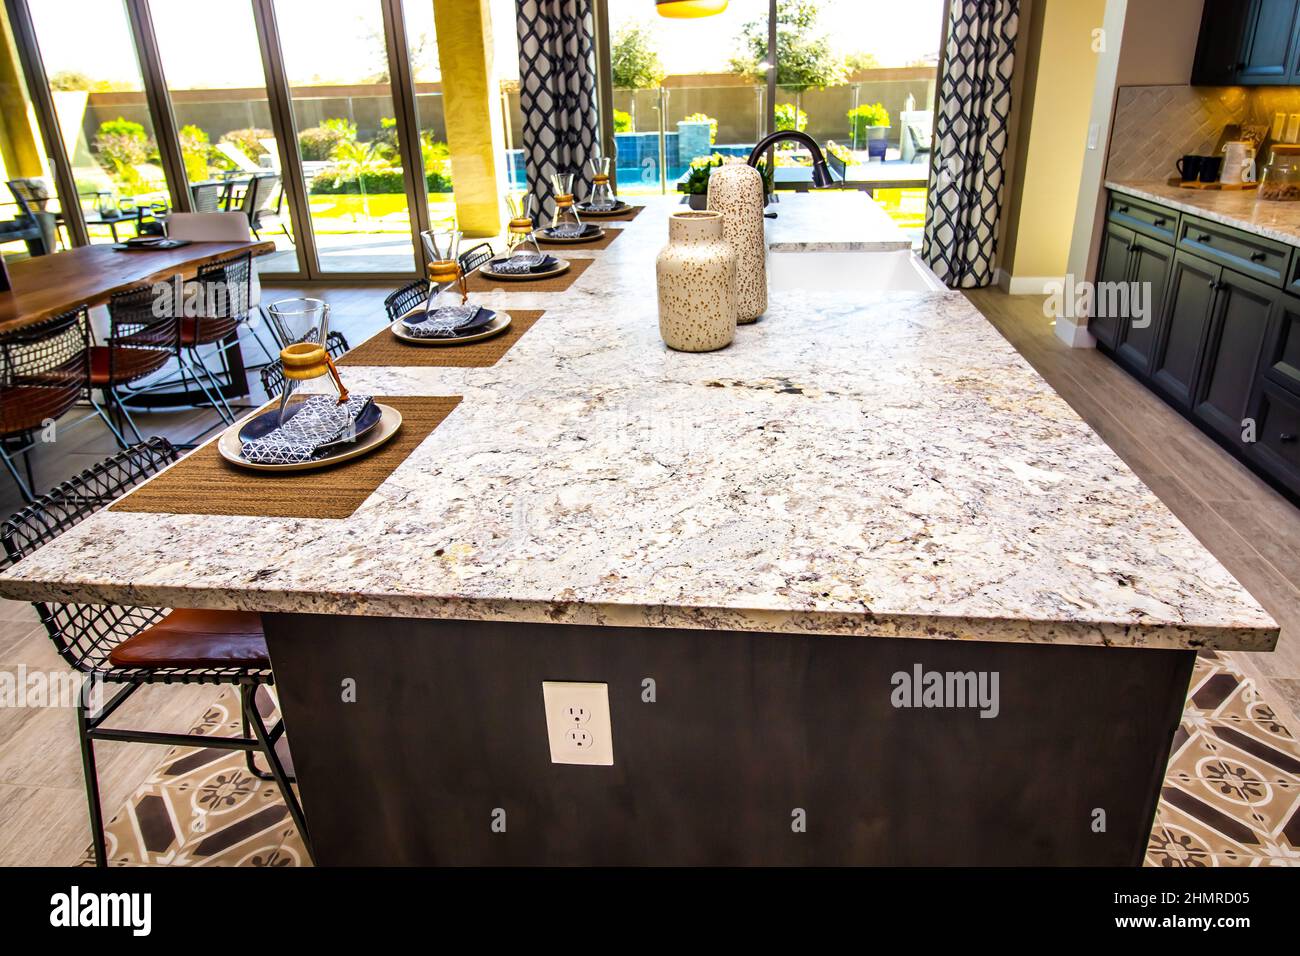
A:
[398, 303]
[44, 371]
[131, 647]
[273, 374]
[140, 343]
[471, 259]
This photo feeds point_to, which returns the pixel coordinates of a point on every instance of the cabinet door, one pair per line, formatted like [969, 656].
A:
[1149, 282]
[1270, 42]
[1277, 444]
[1112, 266]
[1239, 328]
[1219, 45]
[1181, 338]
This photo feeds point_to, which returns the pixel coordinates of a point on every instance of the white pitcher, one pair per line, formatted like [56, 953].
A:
[1238, 162]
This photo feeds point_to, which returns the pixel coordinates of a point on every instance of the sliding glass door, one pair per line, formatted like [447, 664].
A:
[102, 113]
[223, 120]
[337, 66]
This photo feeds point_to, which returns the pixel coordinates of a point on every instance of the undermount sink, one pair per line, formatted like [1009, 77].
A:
[895, 270]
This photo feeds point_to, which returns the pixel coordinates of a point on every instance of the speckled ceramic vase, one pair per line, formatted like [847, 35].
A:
[736, 191]
[696, 273]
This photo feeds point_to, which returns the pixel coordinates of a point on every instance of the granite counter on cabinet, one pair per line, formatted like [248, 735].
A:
[744, 550]
[1238, 208]
[881, 466]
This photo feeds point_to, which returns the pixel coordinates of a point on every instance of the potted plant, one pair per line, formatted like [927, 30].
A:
[696, 183]
[869, 125]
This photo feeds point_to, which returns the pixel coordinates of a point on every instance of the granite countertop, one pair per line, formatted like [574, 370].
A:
[1237, 208]
[832, 221]
[885, 465]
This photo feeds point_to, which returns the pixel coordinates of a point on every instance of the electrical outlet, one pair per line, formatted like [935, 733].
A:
[577, 723]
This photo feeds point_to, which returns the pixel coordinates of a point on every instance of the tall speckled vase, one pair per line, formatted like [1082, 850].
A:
[696, 274]
[736, 191]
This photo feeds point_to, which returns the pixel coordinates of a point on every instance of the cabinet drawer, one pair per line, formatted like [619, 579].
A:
[1148, 218]
[1248, 254]
[1277, 442]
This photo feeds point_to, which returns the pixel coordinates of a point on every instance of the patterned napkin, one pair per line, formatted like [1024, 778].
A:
[520, 263]
[568, 230]
[444, 323]
[320, 421]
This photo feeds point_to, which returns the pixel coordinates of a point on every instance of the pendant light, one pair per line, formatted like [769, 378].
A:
[689, 9]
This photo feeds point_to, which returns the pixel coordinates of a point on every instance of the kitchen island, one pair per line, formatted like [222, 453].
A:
[748, 547]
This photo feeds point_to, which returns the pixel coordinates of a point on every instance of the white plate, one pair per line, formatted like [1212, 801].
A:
[390, 420]
[561, 267]
[498, 325]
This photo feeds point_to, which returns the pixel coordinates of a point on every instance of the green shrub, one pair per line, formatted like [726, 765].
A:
[697, 179]
[787, 117]
[863, 117]
[704, 118]
[622, 121]
[196, 150]
[330, 182]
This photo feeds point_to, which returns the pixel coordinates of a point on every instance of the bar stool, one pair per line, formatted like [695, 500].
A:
[139, 344]
[136, 646]
[44, 371]
[398, 303]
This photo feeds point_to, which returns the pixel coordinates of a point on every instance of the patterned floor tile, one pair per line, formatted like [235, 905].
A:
[1231, 795]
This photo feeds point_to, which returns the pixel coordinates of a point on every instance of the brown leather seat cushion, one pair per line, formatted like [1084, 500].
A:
[204, 331]
[131, 363]
[197, 639]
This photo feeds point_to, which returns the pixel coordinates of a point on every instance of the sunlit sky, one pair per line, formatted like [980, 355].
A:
[214, 45]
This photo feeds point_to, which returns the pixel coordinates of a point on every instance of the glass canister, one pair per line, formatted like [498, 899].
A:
[303, 325]
[1280, 181]
[448, 292]
[565, 223]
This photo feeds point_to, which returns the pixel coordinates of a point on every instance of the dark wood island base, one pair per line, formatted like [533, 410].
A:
[447, 736]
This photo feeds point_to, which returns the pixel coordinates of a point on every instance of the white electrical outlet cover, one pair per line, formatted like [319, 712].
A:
[577, 723]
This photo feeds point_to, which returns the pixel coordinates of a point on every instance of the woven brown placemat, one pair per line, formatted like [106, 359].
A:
[204, 483]
[481, 283]
[627, 215]
[385, 349]
[611, 233]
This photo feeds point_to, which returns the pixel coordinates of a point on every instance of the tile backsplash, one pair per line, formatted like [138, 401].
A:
[1155, 125]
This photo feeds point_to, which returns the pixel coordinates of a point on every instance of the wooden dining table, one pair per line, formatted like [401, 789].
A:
[45, 286]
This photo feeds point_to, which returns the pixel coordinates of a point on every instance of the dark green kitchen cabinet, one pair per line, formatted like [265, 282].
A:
[1223, 343]
[1178, 348]
[1248, 43]
[1150, 266]
[1244, 310]
[1219, 46]
[1113, 266]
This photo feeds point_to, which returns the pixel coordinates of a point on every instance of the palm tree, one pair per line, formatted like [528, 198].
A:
[355, 160]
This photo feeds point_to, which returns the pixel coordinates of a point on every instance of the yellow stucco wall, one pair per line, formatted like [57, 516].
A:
[471, 104]
[1054, 134]
[18, 143]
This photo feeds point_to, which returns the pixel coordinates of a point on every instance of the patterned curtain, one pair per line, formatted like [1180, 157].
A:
[970, 141]
[557, 93]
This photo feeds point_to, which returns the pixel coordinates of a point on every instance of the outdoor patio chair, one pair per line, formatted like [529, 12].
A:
[129, 647]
